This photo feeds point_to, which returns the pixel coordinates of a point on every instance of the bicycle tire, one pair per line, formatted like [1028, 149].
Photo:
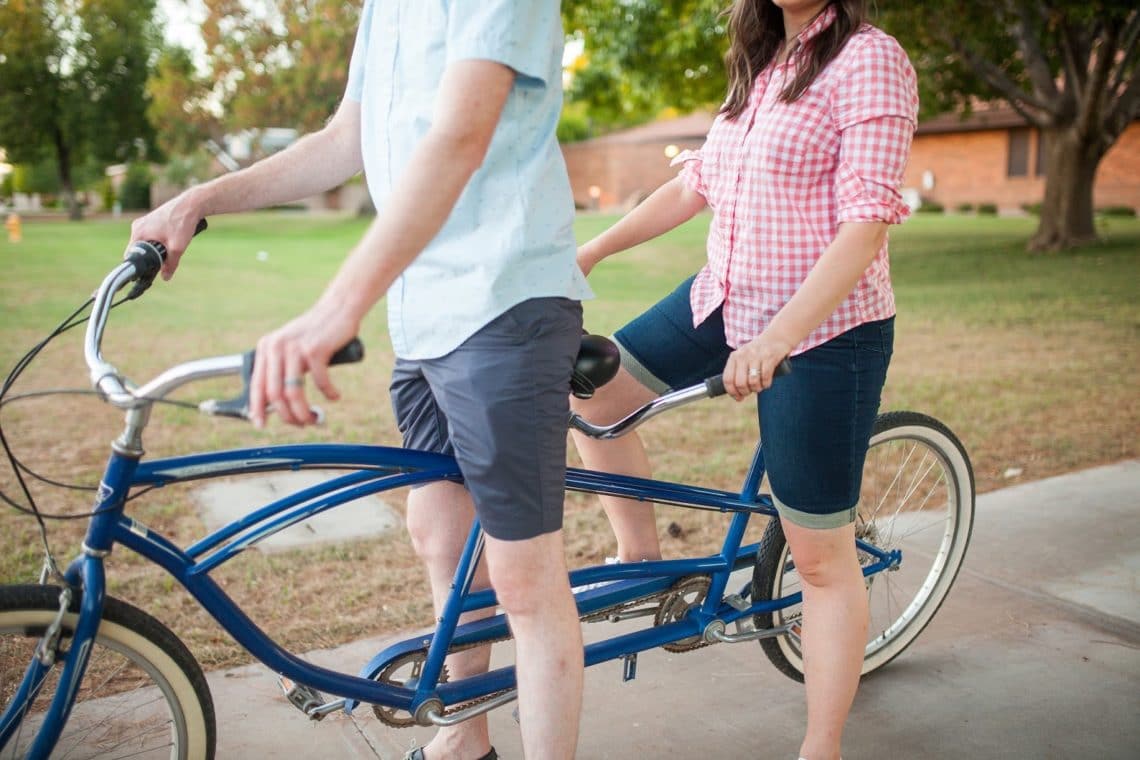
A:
[890, 515]
[137, 665]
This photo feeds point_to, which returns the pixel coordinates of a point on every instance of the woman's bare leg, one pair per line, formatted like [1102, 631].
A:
[834, 632]
[633, 521]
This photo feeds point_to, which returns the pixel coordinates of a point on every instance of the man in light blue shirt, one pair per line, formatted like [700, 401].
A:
[451, 110]
[510, 236]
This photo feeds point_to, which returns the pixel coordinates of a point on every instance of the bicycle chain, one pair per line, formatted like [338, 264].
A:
[664, 598]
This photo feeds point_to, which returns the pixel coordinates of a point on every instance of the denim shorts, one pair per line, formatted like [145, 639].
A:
[815, 422]
[499, 403]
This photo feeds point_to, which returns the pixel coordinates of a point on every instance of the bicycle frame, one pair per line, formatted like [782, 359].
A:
[370, 470]
[374, 469]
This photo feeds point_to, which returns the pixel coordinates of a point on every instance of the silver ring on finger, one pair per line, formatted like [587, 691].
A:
[294, 382]
[753, 372]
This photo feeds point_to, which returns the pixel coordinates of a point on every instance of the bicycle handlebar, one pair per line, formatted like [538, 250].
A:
[715, 384]
[143, 261]
[709, 388]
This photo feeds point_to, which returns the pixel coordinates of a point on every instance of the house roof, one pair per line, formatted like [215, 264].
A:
[694, 126]
[983, 116]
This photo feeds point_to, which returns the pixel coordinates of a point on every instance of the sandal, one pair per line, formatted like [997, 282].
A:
[418, 754]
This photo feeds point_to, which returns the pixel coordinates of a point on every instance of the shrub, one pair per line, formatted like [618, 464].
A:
[964, 208]
[931, 207]
[1031, 208]
[107, 192]
[1127, 211]
[989, 209]
[135, 192]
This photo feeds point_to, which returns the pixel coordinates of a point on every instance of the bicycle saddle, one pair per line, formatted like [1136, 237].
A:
[597, 363]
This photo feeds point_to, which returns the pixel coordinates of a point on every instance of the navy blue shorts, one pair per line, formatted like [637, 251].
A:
[815, 422]
[500, 404]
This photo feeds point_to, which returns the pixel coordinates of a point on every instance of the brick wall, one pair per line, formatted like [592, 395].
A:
[624, 172]
[970, 167]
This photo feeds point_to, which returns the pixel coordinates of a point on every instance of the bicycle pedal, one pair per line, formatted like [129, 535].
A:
[629, 667]
[304, 698]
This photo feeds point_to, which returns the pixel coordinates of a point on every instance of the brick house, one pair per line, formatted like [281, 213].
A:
[618, 170]
[992, 156]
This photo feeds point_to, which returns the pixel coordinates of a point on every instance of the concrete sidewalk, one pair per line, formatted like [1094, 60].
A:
[1035, 654]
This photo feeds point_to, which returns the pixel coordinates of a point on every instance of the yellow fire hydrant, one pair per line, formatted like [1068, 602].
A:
[15, 232]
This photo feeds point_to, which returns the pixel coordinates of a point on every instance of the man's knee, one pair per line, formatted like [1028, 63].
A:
[529, 575]
[439, 518]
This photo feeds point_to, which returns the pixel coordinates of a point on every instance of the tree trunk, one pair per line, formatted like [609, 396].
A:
[63, 159]
[1067, 211]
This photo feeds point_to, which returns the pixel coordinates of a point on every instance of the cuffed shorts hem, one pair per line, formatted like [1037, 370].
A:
[630, 363]
[814, 520]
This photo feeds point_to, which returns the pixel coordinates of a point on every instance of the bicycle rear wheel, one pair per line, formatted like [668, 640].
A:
[143, 695]
[918, 497]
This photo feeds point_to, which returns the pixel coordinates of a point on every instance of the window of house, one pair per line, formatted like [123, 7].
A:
[1018, 153]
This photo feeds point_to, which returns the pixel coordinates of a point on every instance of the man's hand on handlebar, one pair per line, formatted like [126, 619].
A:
[287, 355]
[173, 224]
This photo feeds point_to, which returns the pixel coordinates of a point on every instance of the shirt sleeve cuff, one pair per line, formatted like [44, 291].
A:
[864, 201]
[692, 165]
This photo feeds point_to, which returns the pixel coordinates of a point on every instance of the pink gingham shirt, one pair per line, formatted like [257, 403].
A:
[782, 177]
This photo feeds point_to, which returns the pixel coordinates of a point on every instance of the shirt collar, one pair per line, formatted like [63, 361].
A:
[817, 26]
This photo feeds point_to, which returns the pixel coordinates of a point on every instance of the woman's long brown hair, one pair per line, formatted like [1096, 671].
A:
[756, 31]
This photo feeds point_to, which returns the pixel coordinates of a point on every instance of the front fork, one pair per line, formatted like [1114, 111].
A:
[48, 653]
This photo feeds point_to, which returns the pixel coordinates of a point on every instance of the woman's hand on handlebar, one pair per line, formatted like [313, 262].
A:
[750, 368]
[173, 224]
[287, 355]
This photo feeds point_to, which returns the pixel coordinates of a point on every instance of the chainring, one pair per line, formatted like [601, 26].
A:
[685, 595]
[392, 676]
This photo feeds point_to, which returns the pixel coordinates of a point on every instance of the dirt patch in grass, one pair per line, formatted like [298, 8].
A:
[1037, 403]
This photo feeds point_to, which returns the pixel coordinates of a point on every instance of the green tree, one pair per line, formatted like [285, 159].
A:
[279, 63]
[179, 104]
[72, 76]
[641, 56]
[1068, 66]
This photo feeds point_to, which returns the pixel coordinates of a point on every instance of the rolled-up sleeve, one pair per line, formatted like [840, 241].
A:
[875, 110]
[692, 170]
[872, 159]
[520, 34]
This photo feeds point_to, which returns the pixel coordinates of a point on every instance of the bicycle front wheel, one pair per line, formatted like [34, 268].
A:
[918, 497]
[143, 695]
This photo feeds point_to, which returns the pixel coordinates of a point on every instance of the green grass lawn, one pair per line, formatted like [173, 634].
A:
[1031, 359]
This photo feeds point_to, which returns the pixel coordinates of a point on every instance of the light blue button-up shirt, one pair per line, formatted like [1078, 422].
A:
[510, 235]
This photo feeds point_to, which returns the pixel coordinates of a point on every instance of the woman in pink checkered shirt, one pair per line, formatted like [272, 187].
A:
[801, 170]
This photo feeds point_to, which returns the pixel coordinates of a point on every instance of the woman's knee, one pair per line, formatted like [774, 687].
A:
[823, 557]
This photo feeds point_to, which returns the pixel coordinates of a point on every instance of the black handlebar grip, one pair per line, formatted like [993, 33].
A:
[714, 386]
[353, 351]
[350, 353]
[148, 257]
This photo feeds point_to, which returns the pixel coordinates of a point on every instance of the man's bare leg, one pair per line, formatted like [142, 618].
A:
[530, 581]
[439, 520]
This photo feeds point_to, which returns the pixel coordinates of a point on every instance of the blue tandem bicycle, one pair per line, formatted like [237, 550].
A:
[83, 674]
